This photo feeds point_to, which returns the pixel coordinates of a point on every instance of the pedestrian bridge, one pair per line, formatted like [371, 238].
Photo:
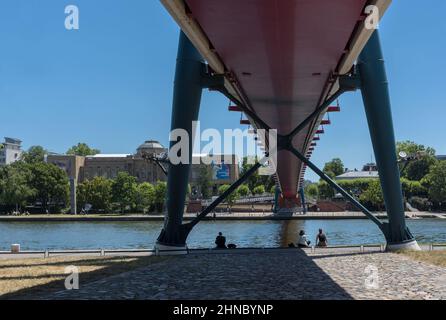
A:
[283, 63]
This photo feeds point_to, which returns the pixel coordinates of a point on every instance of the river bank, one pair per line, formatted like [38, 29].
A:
[73, 235]
[218, 217]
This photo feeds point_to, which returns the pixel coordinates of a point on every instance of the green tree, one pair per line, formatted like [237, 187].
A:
[334, 168]
[436, 182]
[253, 180]
[34, 154]
[97, 192]
[160, 195]
[273, 189]
[230, 200]
[325, 190]
[413, 189]
[204, 181]
[312, 191]
[144, 197]
[356, 186]
[373, 196]
[51, 185]
[259, 190]
[82, 149]
[417, 169]
[124, 190]
[243, 190]
[14, 185]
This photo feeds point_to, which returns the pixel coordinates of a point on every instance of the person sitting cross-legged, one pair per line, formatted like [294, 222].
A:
[220, 241]
[303, 242]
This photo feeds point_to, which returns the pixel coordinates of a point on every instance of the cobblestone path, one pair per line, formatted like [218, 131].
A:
[287, 274]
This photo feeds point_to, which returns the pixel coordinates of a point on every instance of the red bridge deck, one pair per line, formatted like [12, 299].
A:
[279, 56]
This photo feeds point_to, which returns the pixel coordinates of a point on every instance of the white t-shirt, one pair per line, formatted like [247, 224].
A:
[303, 240]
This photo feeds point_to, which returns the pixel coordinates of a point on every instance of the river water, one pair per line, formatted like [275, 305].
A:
[137, 235]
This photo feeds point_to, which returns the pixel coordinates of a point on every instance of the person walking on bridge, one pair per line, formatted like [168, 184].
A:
[321, 239]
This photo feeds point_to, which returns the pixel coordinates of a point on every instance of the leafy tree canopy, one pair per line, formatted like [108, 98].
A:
[334, 168]
[436, 182]
[417, 169]
[259, 190]
[82, 149]
[34, 154]
[51, 184]
[243, 190]
[123, 190]
[232, 197]
[97, 192]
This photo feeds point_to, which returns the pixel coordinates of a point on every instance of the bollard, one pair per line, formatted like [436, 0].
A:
[15, 248]
[102, 253]
[361, 249]
[46, 254]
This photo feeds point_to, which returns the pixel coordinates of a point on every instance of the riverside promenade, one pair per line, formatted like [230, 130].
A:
[235, 216]
[340, 274]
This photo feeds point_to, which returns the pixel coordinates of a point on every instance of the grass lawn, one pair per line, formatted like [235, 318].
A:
[31, 278]
[436, 257]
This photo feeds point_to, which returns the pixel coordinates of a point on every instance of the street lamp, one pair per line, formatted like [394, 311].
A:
[407, 158]
[157, 159]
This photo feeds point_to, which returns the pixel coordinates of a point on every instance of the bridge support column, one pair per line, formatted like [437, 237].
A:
[375, 93]
[188, 89]
[335, 186]
[277, 194]
[302, 200]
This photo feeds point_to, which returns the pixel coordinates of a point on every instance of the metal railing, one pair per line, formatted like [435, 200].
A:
[109, 252]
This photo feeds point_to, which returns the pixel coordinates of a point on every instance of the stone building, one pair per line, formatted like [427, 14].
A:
[369, 171]
[10, 151]
[223, 171]
[109, 165]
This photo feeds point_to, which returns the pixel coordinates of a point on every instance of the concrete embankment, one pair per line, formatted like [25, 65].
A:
[218, 217]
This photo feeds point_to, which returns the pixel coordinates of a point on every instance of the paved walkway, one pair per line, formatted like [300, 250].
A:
[288, 274]
[267, 215]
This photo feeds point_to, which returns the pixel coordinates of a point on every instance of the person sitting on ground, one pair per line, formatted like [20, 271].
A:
[321, 239]
[303, 242]
[220, 241]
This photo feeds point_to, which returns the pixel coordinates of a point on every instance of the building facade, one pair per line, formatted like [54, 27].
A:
[10, 151]
[369, 171]
[220, 169]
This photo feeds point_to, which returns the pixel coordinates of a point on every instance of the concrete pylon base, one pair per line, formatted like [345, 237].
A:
[405, 246]
[163, 250]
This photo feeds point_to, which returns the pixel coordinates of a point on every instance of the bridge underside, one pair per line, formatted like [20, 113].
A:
[281, 55]
[283, 62]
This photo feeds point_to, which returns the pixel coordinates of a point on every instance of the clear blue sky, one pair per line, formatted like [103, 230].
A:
[109, 84]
